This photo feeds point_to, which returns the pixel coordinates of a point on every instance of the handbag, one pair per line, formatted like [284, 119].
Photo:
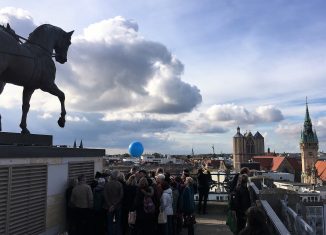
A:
[162, 218]
[132, 217]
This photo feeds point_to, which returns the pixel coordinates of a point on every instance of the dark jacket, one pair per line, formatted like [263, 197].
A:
[138, 204]
[234, 182]
[242, 199]
[188, 203]
[98, 197]
[204, 180]
[113, 194]
[129, 197]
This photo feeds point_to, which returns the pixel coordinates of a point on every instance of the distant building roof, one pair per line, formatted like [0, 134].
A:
[295, 163]
[248, 134]
[266, 162]
[238, 134]
[277, 161]
[258, 135]
[272, 163]
[321, 169]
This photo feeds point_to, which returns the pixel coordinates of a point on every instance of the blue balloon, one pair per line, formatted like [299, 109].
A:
[136, 149]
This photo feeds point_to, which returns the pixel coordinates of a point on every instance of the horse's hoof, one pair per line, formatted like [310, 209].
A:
[61, 122]
[25, 131]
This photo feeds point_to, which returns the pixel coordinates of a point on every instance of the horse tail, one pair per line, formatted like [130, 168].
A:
[2, 85]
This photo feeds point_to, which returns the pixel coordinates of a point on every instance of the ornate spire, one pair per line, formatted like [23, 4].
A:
[307, 134]
[307, 120]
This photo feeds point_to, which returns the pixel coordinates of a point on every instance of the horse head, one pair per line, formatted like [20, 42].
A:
[50, 38]
[61, 47]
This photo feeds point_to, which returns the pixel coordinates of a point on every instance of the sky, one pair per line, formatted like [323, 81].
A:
[177, 75]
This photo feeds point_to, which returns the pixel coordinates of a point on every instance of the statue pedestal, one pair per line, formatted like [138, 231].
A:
[34, 172]
[8, 138]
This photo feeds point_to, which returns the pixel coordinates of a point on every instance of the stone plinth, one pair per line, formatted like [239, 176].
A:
[8, 138]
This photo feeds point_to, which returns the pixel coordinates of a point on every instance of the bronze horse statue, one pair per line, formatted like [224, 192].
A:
[29, 64]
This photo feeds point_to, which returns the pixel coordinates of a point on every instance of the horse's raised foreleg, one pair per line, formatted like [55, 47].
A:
[54, 90]
[27, 94]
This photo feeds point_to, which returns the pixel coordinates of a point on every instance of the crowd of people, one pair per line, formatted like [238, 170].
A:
[104, 206]
[248, 219]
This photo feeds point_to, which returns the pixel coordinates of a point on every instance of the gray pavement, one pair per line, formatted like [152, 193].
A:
[212, 223]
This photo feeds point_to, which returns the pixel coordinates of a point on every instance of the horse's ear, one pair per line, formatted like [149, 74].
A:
[8, 26]
[70, 33]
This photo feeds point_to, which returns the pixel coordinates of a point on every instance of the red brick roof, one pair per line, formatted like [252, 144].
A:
[266, 162]
[273, 163]
[321, 169]
[277, 161]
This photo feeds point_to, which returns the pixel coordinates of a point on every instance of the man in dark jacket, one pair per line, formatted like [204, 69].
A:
[204, 180]
[113, 195]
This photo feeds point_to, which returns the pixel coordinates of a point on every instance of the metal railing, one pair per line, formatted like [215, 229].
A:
[277, 224]
[295, 222]
[219, 188]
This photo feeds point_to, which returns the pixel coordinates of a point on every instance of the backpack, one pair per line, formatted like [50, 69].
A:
[149, 206]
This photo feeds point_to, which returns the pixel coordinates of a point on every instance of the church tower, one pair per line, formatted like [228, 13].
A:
[238, 150]
[309, 150]
[245, 147]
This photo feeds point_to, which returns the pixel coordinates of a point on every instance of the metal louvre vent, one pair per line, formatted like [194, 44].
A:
[27, 202]
[4, 180]
[76, 169]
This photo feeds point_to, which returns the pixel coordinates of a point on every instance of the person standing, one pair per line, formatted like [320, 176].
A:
[203, 179]
[234, 182]
[167, 207]
[188, 204]
[145, 209]
[82, 199]
[242, 201]
[99, 211]
[70, 208]
[175, 205]
[129, 194]
[113, 195]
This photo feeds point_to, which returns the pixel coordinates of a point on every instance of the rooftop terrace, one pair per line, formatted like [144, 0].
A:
[213, 222]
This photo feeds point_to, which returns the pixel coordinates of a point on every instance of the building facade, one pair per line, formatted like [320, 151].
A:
[246, 146]
[309, 150]
[34, 178]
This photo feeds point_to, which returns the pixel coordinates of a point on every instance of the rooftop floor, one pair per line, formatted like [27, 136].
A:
[213, 222]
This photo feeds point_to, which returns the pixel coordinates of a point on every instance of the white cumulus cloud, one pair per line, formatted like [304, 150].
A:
[240, 115]
[113, 67]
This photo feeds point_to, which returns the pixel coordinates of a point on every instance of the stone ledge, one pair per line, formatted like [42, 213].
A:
[9, 151]
[9, 138]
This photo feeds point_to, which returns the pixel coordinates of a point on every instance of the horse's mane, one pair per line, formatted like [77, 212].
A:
[10, 31]
[38, 33]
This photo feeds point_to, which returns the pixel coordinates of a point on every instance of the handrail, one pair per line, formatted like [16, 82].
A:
[278, 225]
[297, 218]
[254, 187]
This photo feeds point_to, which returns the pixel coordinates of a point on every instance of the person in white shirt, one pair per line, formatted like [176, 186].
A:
[166, 206]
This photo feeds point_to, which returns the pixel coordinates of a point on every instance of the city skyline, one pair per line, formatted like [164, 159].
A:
[179, 75]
